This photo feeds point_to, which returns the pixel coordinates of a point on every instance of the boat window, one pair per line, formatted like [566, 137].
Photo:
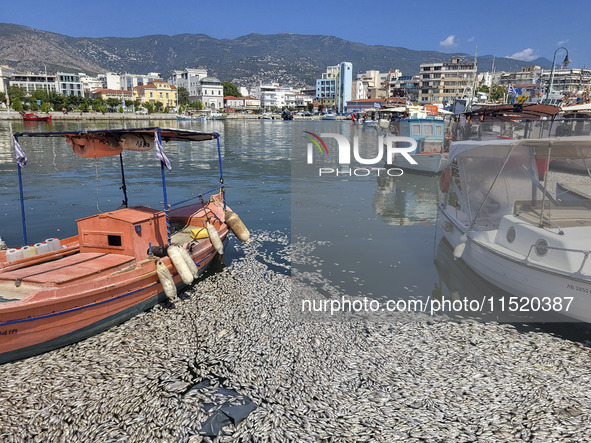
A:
[439, 130]
[428, 129]
[416, 129]
[541, 247]
[511, 234]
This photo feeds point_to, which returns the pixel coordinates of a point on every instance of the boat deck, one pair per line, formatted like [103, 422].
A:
[66, 270]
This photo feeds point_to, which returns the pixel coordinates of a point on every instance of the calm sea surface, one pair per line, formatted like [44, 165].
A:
[372, 235]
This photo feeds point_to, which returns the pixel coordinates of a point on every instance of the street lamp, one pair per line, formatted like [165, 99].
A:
[566, 62]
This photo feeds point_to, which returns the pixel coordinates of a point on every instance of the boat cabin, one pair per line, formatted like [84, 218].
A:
[128, 231]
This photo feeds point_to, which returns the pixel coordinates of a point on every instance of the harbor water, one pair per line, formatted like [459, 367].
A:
[238, 339]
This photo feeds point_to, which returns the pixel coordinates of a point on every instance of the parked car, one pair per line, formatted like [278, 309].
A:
[142, 111]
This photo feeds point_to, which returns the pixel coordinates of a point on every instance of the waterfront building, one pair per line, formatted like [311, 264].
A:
[210, 92]
[70, 84]
[190, 79]
[32, 82]
[110, 80]
[156, 91]
[130, 81]
[441, 83]
[89, 83]
[273, 95]
[247, 103]
[405, 86]
[104, 93]
[334, 89]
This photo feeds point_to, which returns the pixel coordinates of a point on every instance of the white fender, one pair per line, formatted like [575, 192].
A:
[179, 263]
[165, 278]
[214, 237]
[189, 261]
[237, 226]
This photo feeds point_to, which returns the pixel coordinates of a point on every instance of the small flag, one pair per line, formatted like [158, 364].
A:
[160, 152]
[21, 158]
[512, 90]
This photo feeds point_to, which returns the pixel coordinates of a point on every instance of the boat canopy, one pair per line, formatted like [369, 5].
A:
[521, 112]
[109, 142]
[561, 147]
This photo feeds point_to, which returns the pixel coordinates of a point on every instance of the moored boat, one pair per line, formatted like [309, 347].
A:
[509, 228]
[428, 132]
[32, 117]
[119, 264]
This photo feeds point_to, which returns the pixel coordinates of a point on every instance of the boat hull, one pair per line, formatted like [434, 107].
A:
[522, 278]
[26, 331]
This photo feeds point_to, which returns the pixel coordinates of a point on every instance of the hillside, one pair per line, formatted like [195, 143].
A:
[287, 58]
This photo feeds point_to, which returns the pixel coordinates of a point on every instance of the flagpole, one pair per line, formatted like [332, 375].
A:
[166, 208]
[20, 187]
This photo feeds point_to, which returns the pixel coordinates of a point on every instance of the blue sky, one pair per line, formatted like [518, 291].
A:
[523, 29]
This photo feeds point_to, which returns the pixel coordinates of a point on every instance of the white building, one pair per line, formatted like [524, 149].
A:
[32, 82]
[110, 80]
[70, 84]
[334, 89]
[211, 93]
[89, 83]
[130, 81]
[190, 79]
[274, 95]
[6, 74]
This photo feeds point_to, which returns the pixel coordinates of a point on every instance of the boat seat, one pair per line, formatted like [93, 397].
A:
[566, 215]
[69, 269]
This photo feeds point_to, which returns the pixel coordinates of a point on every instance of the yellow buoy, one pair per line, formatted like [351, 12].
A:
[237, 226]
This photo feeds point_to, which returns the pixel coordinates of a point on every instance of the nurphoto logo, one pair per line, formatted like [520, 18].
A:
[387, 147]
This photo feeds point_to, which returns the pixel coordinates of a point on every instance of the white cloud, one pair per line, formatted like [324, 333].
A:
[562, 42]
[448, 42]
[471, 39]
[527, 55]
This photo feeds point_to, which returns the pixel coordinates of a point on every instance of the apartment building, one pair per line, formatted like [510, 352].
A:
[334, 89]
[441, 83]
[70, 84]
[32, 82]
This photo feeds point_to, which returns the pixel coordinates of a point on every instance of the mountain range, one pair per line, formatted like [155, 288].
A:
[294, 59]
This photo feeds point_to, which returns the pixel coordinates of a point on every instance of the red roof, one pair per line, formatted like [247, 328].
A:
[110, 91]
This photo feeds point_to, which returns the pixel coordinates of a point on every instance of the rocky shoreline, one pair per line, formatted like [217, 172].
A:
[157, 377]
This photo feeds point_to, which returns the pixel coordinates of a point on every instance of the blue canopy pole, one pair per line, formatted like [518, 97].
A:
[166, 208]
[20, 186]
[221, 172]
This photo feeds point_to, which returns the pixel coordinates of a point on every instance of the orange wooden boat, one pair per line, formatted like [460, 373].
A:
[108, 272]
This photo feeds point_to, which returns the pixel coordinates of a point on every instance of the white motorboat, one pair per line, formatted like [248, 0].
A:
[508, 227]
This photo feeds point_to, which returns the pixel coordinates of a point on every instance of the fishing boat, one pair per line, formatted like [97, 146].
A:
[120, 263]
[509, 227]
[32, 117]
[428, 131]
[189, 116]
[329, 116]
[218, 116]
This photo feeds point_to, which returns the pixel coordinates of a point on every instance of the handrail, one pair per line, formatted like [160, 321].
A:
[556, 248]
[196, 196]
